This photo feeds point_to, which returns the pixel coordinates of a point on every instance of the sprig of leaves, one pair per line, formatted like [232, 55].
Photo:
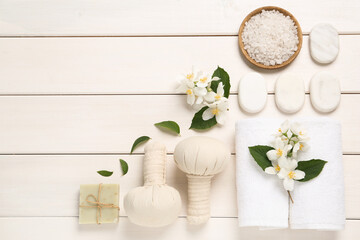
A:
[171, 126]
[311, 168]
[198, 122]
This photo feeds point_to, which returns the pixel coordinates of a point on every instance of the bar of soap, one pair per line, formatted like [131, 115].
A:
[252, 93]
[324, 43]
[289, 92]
[109, 195]
[325, 92]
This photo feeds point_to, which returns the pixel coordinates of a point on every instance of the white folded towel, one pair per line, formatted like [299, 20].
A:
[319, 203]
[262, 200]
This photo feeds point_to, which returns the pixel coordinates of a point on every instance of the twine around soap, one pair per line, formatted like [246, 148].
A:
[99, 205]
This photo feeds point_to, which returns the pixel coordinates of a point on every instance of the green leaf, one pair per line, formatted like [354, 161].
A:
[139, 141]
[312, 168]
[124, 166]
[105, 173]
[259, 154]
[224, 78]
[199, 123]
[169, 125]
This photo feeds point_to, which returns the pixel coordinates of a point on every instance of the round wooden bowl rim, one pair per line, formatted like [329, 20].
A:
[286, 13]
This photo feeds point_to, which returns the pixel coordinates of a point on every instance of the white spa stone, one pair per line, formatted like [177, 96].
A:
[252, 92]
[324, 43]
[289, 93]
[325, 92]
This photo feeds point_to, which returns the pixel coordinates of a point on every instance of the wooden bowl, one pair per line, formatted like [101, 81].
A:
[286, 13]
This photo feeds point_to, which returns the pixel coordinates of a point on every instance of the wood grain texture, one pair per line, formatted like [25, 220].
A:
[216, 228]
[146, 65]
[159, 17]
[49, 185]
[110, 124]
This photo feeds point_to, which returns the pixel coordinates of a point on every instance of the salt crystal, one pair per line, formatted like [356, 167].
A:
[270, 37]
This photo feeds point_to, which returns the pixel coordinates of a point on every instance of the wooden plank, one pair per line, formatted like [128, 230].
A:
[141, 65]
[214, 229]
[110, 124]
[159, 17]
[49, 185]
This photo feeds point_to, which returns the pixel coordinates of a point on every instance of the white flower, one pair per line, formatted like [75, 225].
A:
[284, 128]
[299, 146]
[190, 96]
[205, 80]
[289, 174]
[187, 80]
[198, 107]
[187, 85]
[274, 169]
[300, 138]
[217, 109]
[200, 93]
[281, 150]
[184, 85]
[300, 131]
[284, 132]
[193, 75]
[218, 96]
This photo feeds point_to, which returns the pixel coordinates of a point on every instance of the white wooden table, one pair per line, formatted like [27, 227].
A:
[81, 79]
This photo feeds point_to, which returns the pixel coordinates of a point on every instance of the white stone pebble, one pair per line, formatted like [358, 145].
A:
[252, 92]
[324, 43]
[289, 92]
[325, 92]
[270, 37]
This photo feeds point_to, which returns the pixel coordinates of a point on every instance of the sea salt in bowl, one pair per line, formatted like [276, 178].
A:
[270, 37]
